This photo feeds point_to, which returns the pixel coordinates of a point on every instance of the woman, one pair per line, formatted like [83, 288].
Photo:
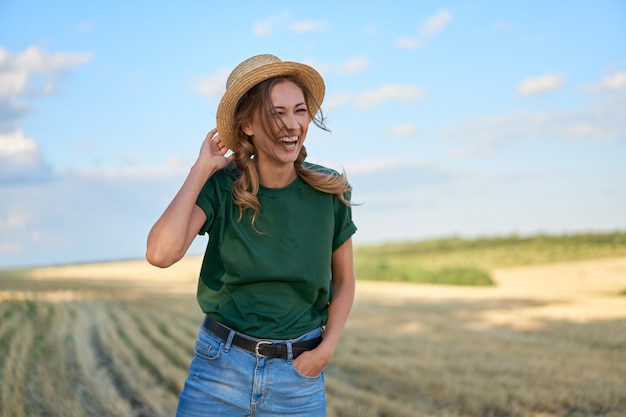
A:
[277, 279]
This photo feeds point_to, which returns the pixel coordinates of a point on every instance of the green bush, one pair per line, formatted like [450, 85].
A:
[459, 275]
[457, 261]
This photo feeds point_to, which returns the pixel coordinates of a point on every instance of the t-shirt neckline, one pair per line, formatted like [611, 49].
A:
[276, 192]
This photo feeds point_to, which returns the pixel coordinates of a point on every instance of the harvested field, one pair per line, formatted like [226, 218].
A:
[116, 339]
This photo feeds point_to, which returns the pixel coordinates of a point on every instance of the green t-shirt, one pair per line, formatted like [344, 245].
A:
[273, 282]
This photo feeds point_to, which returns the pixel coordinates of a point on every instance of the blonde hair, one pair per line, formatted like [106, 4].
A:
[246, 187]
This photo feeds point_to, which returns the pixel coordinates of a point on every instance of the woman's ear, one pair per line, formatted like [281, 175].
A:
[247, 129]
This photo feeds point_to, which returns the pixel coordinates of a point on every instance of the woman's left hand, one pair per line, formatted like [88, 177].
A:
[312, 363]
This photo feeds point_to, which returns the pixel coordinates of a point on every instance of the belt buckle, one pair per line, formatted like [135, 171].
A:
[256, 348]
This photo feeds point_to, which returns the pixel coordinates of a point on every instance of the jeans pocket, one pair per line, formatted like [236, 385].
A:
[306, 377]
[208, 348]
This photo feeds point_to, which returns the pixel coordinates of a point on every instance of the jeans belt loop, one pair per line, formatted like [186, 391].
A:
[229, 341]
[289, 352]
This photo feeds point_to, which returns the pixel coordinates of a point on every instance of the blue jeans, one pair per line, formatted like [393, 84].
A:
[226, 381]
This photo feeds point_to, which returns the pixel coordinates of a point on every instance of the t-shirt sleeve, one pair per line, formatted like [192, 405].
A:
[344, 226]
[208, 201]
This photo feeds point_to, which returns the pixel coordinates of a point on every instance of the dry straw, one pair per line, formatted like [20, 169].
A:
[251, 72]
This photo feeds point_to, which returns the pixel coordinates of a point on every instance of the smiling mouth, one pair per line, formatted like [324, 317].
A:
[289, 141]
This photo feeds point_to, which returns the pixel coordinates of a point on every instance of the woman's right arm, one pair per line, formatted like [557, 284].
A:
[173, 233]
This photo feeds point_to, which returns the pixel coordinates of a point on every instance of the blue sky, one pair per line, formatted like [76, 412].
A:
[468, 118]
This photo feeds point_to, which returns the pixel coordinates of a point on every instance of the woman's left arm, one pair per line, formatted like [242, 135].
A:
[343, 281]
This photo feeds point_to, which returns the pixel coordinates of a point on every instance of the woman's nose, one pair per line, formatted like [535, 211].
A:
[291, 121]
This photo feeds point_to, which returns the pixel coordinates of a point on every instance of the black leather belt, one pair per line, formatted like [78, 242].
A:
[261, 348]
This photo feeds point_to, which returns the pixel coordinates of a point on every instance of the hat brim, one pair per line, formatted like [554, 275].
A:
[226, 109]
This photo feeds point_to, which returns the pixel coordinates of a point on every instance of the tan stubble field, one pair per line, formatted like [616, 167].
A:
[545, 341]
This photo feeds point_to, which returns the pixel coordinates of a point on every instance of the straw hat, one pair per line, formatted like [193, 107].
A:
[251, 72]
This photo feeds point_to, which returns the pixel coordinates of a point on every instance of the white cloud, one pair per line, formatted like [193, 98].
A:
[132, 169]
[13, 83]
[323, 68]
[470, 152]
[378, 165]
[34, 60]
[84, 143]
[8, 249]
[354, 65]
[15, 219]
[18, 147]
[369, 30]
[403, 129]
[21, 159]
[306, 26]
[268, 26]
[213, 86]
[4, 57]
[351, 65]
[582, 130]
[540, 85]
[388, 92]
[48, 88]
[504, 25]
[26, 75]
[436, 23]
[408, 43]
[265, 27]
[615, 81]
[337, 100]
[602, 121]
[86, 26]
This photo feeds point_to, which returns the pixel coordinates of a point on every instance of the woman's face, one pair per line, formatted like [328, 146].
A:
[289, 118]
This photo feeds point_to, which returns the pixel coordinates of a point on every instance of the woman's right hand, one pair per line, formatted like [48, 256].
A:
[213, 151]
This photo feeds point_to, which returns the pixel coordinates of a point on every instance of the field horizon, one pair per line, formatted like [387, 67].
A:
[604, 243]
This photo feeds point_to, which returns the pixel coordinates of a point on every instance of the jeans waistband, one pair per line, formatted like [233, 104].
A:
[263, 348]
